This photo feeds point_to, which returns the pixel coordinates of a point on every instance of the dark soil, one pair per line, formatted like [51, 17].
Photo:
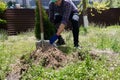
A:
[49, 56]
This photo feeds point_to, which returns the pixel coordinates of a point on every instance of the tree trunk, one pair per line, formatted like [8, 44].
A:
[41, 21]
[85, 17]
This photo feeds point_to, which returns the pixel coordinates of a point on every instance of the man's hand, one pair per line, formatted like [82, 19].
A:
[53, 39]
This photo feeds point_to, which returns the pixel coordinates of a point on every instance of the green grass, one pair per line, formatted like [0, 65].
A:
[87, 69]
[13, 47]
[102, 38]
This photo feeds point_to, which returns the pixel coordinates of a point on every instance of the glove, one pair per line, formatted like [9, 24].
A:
[75, 17]
[53, 39]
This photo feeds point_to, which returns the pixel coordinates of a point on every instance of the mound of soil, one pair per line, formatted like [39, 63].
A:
[47, 56]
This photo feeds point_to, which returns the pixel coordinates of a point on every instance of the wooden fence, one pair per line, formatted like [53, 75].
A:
[19, 20]
[107, 17]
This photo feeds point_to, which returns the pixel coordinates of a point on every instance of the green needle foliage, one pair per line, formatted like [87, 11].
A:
[49, 28]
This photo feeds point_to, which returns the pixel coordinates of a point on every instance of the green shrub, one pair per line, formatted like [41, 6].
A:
[2, 21]
[114, 3]
[11, 4]
[3, 7]
[49, 28]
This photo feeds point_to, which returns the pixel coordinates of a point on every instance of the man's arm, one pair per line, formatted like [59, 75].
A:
[60, 29]
[66, 15]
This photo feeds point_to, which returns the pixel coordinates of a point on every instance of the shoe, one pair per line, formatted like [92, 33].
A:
[60, 41]
[78, 47]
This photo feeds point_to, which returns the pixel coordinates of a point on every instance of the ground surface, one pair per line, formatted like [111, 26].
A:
[49, 56]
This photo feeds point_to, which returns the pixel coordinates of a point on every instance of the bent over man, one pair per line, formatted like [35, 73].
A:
[60, 12]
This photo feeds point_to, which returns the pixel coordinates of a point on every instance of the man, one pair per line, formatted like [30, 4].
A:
[62, 11]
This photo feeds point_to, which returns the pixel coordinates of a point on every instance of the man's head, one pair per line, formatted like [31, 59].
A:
[57, 2]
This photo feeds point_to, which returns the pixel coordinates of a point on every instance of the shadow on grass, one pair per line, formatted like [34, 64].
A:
[65, 49]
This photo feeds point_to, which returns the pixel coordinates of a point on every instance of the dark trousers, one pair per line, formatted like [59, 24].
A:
[75, 28]
[75, 31]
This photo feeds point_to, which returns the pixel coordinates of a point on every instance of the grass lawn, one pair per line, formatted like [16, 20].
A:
[97, 39]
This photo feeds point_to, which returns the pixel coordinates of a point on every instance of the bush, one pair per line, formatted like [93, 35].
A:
[49, 28]
[115, 3]
[11, 4]
[2, 21]
[3, 7]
